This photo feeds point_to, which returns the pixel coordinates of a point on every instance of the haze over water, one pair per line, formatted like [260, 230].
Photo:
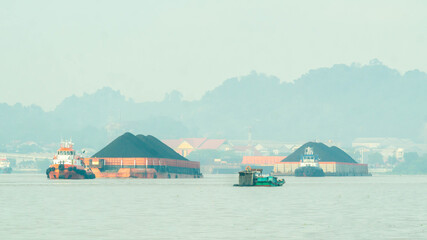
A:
[378, 207]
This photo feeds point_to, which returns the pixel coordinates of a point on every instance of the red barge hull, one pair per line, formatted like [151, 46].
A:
[143, 168]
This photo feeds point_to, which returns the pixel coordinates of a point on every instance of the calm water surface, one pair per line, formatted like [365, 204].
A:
[378, 207]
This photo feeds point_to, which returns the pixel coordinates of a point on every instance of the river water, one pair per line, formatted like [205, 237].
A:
[378, 207]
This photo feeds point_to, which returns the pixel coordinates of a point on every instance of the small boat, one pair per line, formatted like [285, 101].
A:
[254, 178]
[309, 165]
[67, 165]
[5, 165]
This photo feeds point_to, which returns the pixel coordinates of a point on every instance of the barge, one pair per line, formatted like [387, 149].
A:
[130, 156]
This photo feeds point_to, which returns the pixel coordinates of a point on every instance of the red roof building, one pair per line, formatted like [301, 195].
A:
[262, 160]
[213, 144]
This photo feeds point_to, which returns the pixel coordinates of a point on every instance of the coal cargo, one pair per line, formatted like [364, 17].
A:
[141, 157]
[163, 150]
[127, 146]
[326, 154]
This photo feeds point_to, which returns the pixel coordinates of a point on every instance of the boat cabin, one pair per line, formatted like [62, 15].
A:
[309, 159]
[4, 163]
[67, 155]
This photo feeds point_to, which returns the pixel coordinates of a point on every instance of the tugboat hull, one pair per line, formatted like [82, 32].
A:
[68, 171]
[309, 172]
[5, 170]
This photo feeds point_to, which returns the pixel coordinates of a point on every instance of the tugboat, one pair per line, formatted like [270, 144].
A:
[253, 178]
[5, 165]
[309, 165]
[67, 165]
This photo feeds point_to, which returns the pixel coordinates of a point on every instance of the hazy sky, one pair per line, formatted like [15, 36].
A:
[53, 49]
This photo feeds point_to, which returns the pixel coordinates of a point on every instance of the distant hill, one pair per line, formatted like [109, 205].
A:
[340, 103]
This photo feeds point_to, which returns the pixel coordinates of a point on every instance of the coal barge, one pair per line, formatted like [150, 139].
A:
[332, 160]
[130, 156]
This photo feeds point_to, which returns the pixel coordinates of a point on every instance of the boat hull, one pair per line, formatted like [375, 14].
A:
[68, 171]
[309, 172]
[261, 185]
[268, 185]
[5, 170]
[143, 168]
[141, 173]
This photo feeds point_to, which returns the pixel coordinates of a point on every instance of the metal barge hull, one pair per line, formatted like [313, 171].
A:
[143, 168]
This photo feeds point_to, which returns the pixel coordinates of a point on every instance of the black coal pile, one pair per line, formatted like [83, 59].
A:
[164, 151]
[131, 146]
[325, 153]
